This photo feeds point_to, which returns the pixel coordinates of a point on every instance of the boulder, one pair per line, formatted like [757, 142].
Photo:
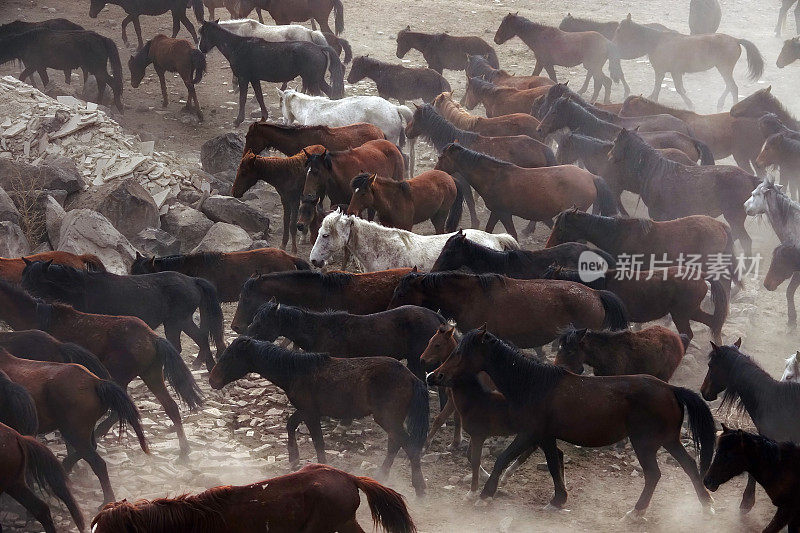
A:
[125, 203]
[223, 237]
[188, 225]
[155, 241]
[222, 153]
[233, 211]
[57, 173]
[12, 240]
[84, 231]
[8, 211]
[53, 216]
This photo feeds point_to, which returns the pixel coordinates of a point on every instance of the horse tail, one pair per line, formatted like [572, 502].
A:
[456, 209]
[197, 7]
[47, 472]
[507, 241]
[301, 264]
[388, 507]
[338, 16]
[19, 409]
[336, 69]
[614, 63]
[491, 57]
[116, 65]
[616, 314]
[348, 51]
[198, 65]
[210, 311]
[114, 398]
[719, 297]
[178, 374]
[755, 61]
[706, 156]
[701, 424]
[604, 197]
[417, 417]
[92, 263]
[74, 353]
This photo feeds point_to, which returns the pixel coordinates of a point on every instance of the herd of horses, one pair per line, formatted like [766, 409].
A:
[458, 306]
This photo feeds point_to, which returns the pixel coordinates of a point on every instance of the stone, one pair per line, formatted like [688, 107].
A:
[188, 225]
[155, 241]
[13, 242]
[233, 211]
[56, 173]
[84, 231]
[125, 203]
[222, 153]
[53, 215]
[8, 211]
[223, 237]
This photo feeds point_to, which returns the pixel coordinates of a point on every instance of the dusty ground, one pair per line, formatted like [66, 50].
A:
[239, 436]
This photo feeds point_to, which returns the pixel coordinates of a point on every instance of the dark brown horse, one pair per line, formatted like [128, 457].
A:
[548, 403]
[790, 52]
[679, 54]
[443, 51]
[290, 140]
[319, 385]
[671, 190]
[397, 81]
[655, 351]
[40, 346]
[552, 46]
[288, 11]
[227, 271]
[479, 67]
[321, 498]
[125, 346]
[135, 8]
[71, 399]
[360, 294]
[514, 124]
[170, 55]
[11, 269]
[535, 194]
[23, 458]
[785, 262]
[499, 100]
[782, 150]
[432, 195]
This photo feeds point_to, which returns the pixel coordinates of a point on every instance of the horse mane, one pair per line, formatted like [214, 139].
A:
[62, 282]
[557, 272]
[440, 131]
[476, 158]
[780, 110]
[174, 262]
[583, 114]
[435, 280]
[141, 56]
[648, 32]
[362, 180]
[482, 87]
[529, 24]
[577, 99]
[587, 141]
[291, 127]
[282, 360]
[784, 206]
[294, 313]
[792, 253]
[642, 159]
[788, 143]
[329, 280]
[503, 258]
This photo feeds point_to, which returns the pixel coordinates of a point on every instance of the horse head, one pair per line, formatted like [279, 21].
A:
[792, 371]
[468, 357]
[720, 361]
[334, 235]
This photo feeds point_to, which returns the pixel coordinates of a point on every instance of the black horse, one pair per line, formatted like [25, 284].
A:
[253, 59]
[19, 26]
[168, 298]
[135, 8]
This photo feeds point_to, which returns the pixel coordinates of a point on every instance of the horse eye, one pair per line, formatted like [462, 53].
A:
[325, 236]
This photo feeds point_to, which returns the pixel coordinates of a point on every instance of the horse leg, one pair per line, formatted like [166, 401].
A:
[291, 443]
[27, 71]
[315, 429]
[189, 26]
[555, 464]
[537, 67]
[31, 502]
[519, 445]
[508, 222]
[163, 81]
[440, 419]
[657, 87]
[607, 86]
[689, 465]
[743, 162]
[138, 27]
[475, 450]
[154, 381]
[781, 519]
[84, 448]
[125, 22]
[351, 526]
[438, 220]
[519, 461]
[796, 17]
[748, 496]
[585, 82]
[739, 232]
[624, 83]
[193, 96]
[391, 452]
[645, 451]
[470, 201]
[730, 86]
[260, 97]
[598, 84]
[492, 222]
[200, 337]
[698, 315]
[242, 100]
[791, 313]
[682, 325]
[260, 15]
[677, 78]
[176, 23]
[551, 72]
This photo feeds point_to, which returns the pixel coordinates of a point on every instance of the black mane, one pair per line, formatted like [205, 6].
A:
[435, 280]
[282, 361]
[439, 130]
[174, 262]
[471, 157]
[329, 280]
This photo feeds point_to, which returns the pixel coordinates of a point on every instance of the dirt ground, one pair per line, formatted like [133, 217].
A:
[239, 435]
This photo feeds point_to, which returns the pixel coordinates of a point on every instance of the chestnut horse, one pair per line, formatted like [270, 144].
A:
[227, 271]
[170, 55]
[401, 204]
[24, 458]
[360, 294]
[71, 399]
[499, 100]
[552, 46]
[290, 140]
[322, 498]
[11, 269]
[125, 346]
[535, 194]
[548, 403]
[514, 124]
[479, 67]
[443, 51]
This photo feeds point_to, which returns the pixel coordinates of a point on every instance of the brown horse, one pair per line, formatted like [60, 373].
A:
[71, 399]
[288, 11]
[135, 8]
[170, 55]
[321, 498]
[785, 262]
[17, 408]
[397, 81]
[723, 133]
[443, 51]
[535, 194]
[790, 52]
[125, 346]
[514, 124]
[330, 173]
[319, 385]
[499, 100]
[290, 140]
[401, 204]
[11, 269]
[782, 150]
[655, 351]
[529, 313]
[552, 46]
[548, 403]
[359, 294]
[679, 54]
[40, 346]
[23, 458]
[479, 67]
[763, 102]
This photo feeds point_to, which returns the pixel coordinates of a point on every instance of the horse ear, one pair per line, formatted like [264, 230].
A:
[327, 159]
[372, 178]
[414, 270]
[272, 300]
[628, 18]
[797, 356]
[138, 255]
[769, 89]
[482, 332]
[738, 342]
[153, 261]
[725, 429]
[408, 27]
[47, 264]
[416, 105]
[566, 83]
[27, 261]
[714, 347]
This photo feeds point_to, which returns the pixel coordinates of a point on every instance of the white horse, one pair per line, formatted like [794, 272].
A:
[782, 212]
[792, 370]
[377, 247]
[308, 110]
[275, 34]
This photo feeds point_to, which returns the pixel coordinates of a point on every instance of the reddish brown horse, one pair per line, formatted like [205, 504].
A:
[23, 458]
[401, 204]
[552, 46]
[444, 51]
[290, 140]
[71, 399]
[321, 498]
[514, 124]
[125, 345]
[498, 100]
[11, 269]
[535, 194]
[360, 294]
[171, 55]
[479, 67]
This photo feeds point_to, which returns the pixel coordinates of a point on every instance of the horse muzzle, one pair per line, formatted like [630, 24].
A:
[319, 263]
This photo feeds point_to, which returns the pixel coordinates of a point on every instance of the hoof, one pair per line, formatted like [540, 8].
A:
[708, 510]
[550, 508]
[470, 496]
[483, 502]
[635, 515]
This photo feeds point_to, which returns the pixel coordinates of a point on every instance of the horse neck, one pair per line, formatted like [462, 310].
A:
[458, 116]
[752, 387]
[785, 117]
[290, 169]
[418, 40]
[472, 172]
[272, 368]
[647, 38]
[497, 365]
[442, 132]
[591, 147]
[583, 121]
[227, 42]
[786, 226]
[528, 31]
[600, 231]
[390, 198]
[302, 332]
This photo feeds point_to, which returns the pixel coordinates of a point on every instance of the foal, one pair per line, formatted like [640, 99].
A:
[170, 55]
[443, 51]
